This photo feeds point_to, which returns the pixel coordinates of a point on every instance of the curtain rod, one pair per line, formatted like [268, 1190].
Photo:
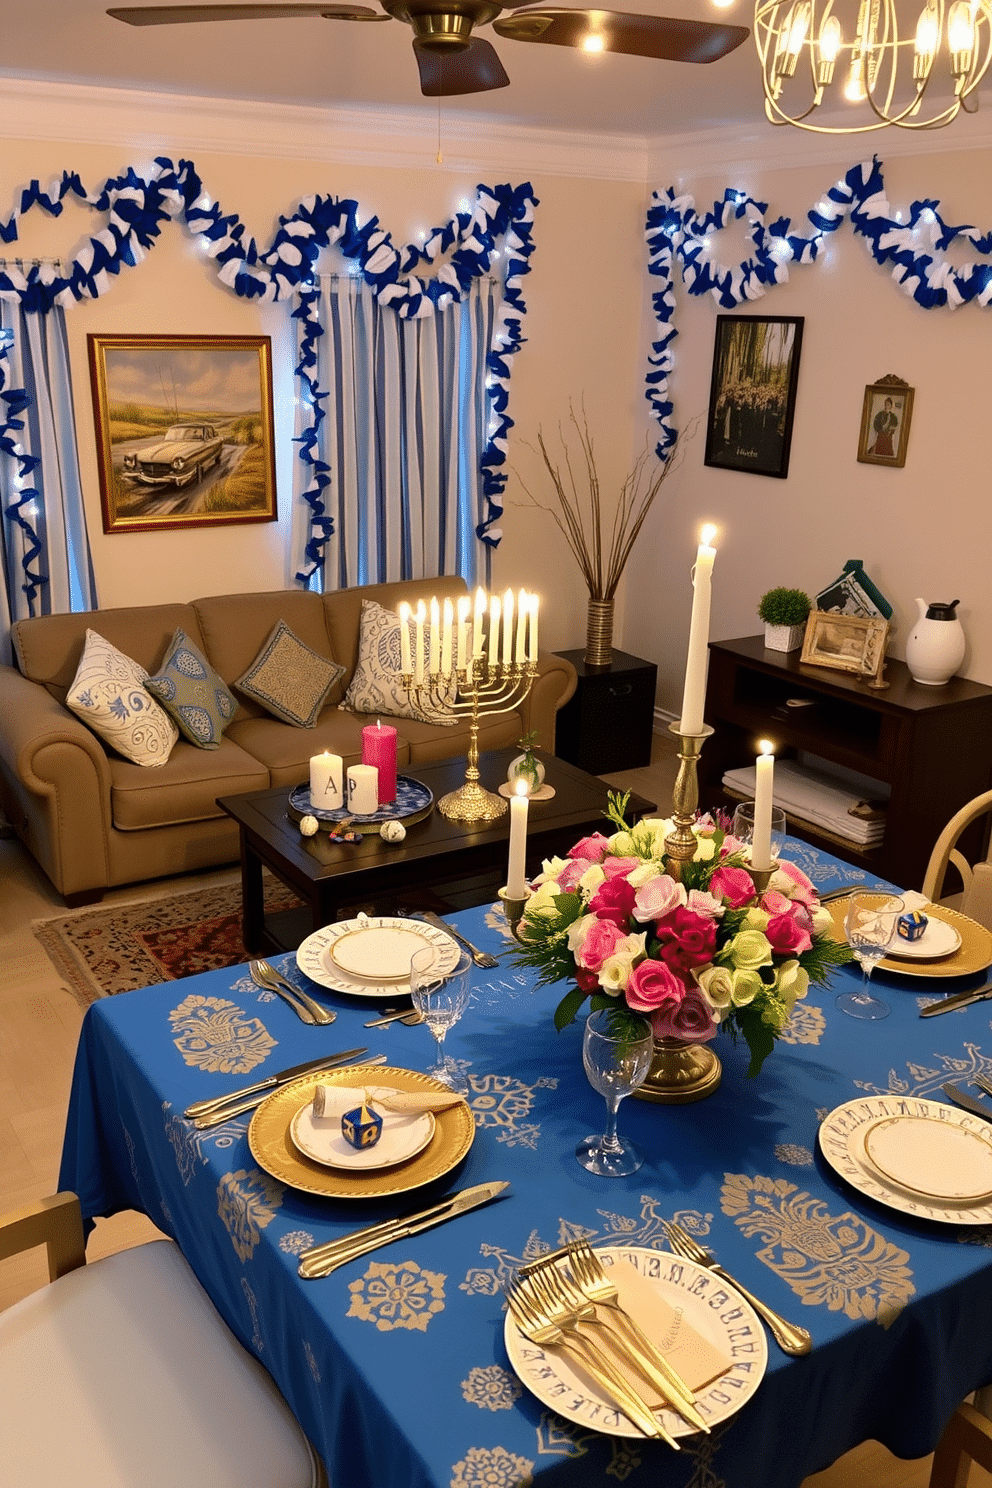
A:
[35, 262]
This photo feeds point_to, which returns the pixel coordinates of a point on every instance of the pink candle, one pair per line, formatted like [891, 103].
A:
[379, 749]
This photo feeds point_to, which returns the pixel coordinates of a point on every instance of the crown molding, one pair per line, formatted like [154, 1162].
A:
[156, 123]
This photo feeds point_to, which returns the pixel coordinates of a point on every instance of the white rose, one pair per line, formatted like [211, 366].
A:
[592, 878]
[542, 901]
[756, 919]
[822, 920]
[622, 845]
[793, 983]
[716, 984]
[551, 868]
[643, 874]
[705, 848]
[746, 986]
[578, 930]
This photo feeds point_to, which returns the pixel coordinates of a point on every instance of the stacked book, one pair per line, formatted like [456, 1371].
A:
[820, 798]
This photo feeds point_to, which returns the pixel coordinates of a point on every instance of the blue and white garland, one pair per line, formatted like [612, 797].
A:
[675, 230]
[14, 402]
[138, 204]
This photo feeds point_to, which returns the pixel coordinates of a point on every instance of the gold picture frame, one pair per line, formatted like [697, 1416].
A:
[848, 643]
[184, 430]
[885, 419]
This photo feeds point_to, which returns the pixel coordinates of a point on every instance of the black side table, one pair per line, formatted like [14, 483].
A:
[607, 723]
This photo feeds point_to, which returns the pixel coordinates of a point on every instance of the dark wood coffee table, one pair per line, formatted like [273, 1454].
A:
[442, 864]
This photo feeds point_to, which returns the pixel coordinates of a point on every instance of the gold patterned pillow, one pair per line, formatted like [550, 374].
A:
[289, 680]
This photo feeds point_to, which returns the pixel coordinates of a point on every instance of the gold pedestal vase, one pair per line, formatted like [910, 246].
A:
[680, 1073]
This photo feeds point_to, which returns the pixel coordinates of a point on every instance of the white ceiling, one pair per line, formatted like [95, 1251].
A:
[326, 63]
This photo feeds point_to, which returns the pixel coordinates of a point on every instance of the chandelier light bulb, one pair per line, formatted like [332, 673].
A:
[854, 88]
[927, 32]
[831, 37]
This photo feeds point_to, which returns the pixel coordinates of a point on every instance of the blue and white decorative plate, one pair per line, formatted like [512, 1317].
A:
[414, 801]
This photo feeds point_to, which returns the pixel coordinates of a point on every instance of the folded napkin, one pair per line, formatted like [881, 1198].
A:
[334, 1100]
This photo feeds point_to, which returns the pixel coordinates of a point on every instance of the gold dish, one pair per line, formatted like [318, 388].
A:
[973, 954]
[272, 1146]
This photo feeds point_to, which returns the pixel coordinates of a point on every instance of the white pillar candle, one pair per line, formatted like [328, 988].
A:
[418, 675]
[516, 879]
[697, 657]
[523, 612]
[479, 622]
[435, 661]
[461, 655]
[508, 627]
[404, 613]
[449, 616]
[363, 790]
[325, 780]
[493, 631]
[764, 785]
[535, 605]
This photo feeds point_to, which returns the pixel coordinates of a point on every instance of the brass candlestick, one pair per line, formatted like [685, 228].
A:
[514, 911]
[680, 845]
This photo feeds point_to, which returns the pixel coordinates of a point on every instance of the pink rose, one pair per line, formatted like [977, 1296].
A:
[687, 939]
[730, 844]
[594, 848]
[702, 903]
[658, 897]
[802, 889]
[733, 885]
[601, 941]
[786, 936]
[568, 878]
[690, 1019]
[654, 985]
[774, 903]
[619, 867]
[613, 900]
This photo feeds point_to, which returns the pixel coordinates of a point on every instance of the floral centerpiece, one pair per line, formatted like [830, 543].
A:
[694, 951]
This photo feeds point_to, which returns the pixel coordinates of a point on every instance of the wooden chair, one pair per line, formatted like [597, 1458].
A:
[967, 1439]
[120, 1374]
[976, 897]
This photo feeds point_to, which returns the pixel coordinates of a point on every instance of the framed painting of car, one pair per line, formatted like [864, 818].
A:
[184, 430]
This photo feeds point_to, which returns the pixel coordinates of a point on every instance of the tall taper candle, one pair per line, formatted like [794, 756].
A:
[523, 611]
[446, 631]
[418, 671]
[461, 654]
[493, 631]
[508, 627]
[325, 780]
[535, 605]
[516, 877]
[435, 661]
[764, 785]
[379, 749]
[694, 695]
[479, 622]
[404, 614]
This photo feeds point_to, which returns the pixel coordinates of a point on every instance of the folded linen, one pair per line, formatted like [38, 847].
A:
[817, 797]
[335, 1100]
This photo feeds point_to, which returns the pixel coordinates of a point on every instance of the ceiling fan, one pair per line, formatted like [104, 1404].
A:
[453, 60]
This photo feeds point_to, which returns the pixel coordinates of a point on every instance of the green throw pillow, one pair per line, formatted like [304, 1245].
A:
[192, 693]
[289, 680]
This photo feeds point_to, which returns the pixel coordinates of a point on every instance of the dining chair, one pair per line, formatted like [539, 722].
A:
[967, 1439]
[976, 897]
[121, 1374]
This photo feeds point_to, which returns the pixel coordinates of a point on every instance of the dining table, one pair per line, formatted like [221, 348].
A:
[396, 1364]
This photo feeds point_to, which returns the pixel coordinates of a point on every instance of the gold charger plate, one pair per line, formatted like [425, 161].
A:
[272, 1146]
[973, 954]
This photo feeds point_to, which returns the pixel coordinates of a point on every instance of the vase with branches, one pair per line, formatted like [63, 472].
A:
[600, 531]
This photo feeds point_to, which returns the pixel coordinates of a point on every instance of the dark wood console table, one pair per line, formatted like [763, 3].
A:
[932, 745]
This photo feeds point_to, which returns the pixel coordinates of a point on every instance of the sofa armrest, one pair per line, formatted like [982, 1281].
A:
[553, 686]
[57, 779]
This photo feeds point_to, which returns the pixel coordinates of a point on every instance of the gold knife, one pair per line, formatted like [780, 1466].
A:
[228, 1112]
[325, 1061]
[321, 1260]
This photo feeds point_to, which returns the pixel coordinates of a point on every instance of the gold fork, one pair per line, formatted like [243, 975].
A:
[790, 1338]
[535, 1325]
[984, 1083]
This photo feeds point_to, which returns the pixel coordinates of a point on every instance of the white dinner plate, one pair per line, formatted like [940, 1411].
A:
[377, 953]
[921, 1141]
[320, 1138]
[940, 938]
[317, 956]
[692, 1291]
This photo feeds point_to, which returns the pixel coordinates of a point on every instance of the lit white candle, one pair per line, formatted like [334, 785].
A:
[535, 605]
[516, 880]
[523, 611]
[508, 627]
[418, 675]
[764, 786]
[697, 657]
[435, 660]
[446, 632]
[404, 613]
[363, 790]
[479, 622]
[325, 780]
[461, 656]
[493, 631]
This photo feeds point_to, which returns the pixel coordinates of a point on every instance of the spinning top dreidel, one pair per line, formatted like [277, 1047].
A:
[361, 1127]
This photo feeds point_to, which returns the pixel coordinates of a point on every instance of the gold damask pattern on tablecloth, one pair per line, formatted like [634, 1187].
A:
[926, 1080]
[246, 1202]
[492, 1467]
[214, 1034]
[397, 1296]
[257, 1341]
[806, 1026]
[793, 1154]
[832, 1260]
[491, 1388]
[501, 1103]
[295, 1242]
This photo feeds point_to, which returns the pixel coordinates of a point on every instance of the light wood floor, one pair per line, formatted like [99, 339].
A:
[39, 1028]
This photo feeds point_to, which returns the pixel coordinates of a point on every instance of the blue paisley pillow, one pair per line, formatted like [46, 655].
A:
[192, 693]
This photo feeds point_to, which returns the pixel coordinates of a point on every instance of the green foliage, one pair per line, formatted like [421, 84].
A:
[784, 607]
[543, 941]
[822, 954]
[616, 809]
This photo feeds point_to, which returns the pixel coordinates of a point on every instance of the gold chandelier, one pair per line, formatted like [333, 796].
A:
[917, 76]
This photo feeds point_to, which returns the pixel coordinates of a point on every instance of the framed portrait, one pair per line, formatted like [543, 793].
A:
[888, 408]
[184, 430]
[849, 643]
[753, 393]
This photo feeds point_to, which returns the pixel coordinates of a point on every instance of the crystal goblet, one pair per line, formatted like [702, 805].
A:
[870, 927]
[440, 995]
[617, 1055]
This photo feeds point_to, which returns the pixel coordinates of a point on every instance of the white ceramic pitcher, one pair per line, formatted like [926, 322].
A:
[936, 646]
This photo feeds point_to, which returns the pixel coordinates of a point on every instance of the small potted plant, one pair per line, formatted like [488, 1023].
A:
[784, 612]
[527, 765]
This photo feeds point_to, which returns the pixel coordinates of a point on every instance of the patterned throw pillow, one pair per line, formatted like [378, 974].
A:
[108, 693]
[192, 693]
[377, 686]
[288, 679]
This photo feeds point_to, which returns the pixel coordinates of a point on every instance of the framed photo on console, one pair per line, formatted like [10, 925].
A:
[849, 643]
[753, 393]
[184, 430]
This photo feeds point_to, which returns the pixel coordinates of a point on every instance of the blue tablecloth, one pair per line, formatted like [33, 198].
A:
[395, 1365]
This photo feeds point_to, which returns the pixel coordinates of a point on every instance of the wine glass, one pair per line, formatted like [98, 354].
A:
[870, 927]
[617, 1057]
[440, 995]
[743, 827]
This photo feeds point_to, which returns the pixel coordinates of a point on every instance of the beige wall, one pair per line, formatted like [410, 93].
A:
[921, 530]
[579, 341]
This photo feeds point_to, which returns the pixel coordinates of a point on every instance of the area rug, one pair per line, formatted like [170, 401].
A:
[100, 952]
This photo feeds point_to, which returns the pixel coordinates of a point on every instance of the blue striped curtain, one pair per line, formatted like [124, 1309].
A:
[44, 547]
[407, 421]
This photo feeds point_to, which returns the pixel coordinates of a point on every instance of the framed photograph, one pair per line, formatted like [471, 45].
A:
[888, 408]
[753, 393]
[184, 430]
[849, 643]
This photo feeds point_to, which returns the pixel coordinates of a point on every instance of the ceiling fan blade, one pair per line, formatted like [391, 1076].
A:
[177, 15]
[474, 70]
[621, 31]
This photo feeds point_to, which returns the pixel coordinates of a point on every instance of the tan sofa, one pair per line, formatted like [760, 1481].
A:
[93, 820]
